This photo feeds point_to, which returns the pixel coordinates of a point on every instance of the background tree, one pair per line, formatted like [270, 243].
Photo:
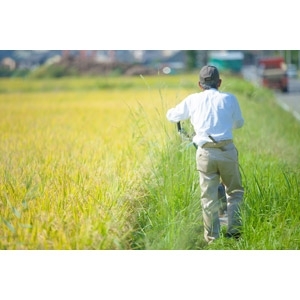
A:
[191, 59]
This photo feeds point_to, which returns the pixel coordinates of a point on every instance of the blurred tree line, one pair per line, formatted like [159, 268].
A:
[193, 60]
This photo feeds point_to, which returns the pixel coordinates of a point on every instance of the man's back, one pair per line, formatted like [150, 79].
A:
[211, 113]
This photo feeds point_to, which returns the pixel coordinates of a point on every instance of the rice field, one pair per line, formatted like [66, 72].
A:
[92, 163]
[71, 158]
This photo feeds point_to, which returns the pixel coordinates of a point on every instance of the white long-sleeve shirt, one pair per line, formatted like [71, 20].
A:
[211, 112]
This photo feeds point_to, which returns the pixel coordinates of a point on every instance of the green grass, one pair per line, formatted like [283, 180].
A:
[268, 145]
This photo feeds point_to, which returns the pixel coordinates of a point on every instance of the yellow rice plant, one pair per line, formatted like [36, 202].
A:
[71, 161]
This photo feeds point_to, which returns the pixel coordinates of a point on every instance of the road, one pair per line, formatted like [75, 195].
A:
[291, 101]
[288, 101]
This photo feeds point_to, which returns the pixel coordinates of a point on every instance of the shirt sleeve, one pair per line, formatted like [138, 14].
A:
[238, 120]
[178, 113]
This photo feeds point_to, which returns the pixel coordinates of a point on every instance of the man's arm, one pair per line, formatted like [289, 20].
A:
[178, 113]
[238, 120]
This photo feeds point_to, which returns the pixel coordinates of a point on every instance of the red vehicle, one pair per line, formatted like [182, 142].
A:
[272, 72]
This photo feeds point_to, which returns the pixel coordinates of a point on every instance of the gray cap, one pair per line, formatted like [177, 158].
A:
[209, 76]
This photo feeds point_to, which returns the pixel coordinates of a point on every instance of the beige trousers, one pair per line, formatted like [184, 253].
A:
[217, 162]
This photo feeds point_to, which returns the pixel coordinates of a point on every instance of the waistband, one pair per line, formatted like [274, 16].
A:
[219, 144]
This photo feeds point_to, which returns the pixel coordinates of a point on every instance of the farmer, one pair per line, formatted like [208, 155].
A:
[214, 115]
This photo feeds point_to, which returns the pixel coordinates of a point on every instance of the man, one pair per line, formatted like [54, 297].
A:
[214, 115]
